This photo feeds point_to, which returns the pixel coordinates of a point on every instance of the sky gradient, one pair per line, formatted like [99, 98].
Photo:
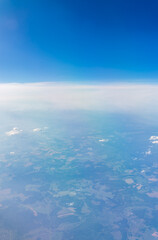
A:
[65, 40]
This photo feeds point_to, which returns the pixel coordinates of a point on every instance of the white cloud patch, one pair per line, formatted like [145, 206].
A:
[139, 186]
[103, 140]
[153, 179]
[129, 181]
[153, 138]
[14, 131]
[12, 153]
[155, 234]
[148, 152]
[36, 129]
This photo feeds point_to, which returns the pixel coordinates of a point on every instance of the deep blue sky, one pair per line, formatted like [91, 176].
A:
[74, 40]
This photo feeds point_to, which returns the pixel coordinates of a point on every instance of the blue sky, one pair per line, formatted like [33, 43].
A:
[75, 40]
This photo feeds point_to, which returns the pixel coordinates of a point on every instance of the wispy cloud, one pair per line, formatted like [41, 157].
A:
[14, 131]
[148, 152]
[103, 140]
[155, 142]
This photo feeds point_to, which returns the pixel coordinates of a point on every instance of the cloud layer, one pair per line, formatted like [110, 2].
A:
[121, 98]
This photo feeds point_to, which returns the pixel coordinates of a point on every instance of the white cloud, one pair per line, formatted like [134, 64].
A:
[153, 179]
[14, 131]
[129, 181]
[153, 138]
[148, 152]
[12, 153]
[103, 140]
[36, 129]
[139, 186]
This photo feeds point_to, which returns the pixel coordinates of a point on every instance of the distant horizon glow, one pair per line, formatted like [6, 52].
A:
[140, 99]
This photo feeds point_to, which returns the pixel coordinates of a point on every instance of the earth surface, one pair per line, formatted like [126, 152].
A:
[69, 174]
